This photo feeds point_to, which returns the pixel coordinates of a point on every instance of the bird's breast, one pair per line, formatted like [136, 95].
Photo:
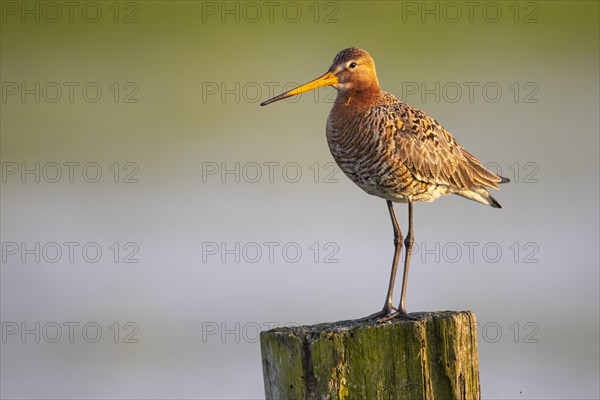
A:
[365, 151]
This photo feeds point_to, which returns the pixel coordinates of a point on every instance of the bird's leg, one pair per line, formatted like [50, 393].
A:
[388, 308]
[408, 244]
[397, 249]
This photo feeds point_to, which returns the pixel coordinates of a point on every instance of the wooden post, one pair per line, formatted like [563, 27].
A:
[434, 358]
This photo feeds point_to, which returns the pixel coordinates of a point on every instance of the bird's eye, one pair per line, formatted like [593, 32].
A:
[353, 65]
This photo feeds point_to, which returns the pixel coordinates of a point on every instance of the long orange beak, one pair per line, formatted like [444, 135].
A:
[328, 79]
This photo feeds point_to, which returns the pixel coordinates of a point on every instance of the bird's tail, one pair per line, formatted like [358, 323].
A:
[482, 175]
[482, 178]
[480, 195]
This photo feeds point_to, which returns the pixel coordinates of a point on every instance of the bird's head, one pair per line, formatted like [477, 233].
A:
[352, 71]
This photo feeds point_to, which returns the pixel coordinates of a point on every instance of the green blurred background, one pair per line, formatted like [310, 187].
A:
[181, 84]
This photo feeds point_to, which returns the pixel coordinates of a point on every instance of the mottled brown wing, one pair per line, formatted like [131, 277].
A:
[433, 155]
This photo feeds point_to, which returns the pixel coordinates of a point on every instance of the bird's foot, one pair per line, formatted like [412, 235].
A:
[399, 314]
[387, 312]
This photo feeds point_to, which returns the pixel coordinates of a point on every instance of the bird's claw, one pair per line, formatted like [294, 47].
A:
[387, 314]
[398, 314]
[380, 314]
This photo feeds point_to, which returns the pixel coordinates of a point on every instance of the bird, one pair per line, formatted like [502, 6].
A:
[394, 151]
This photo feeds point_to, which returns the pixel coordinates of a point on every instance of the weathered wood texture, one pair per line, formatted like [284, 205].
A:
[434, 358]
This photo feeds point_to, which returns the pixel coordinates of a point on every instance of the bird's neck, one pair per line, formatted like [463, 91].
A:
[348, 110]
[364, 97]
